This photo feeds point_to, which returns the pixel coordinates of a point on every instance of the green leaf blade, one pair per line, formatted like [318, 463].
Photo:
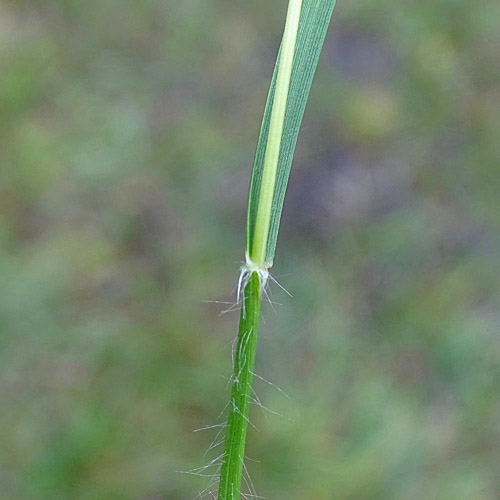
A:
[313, 24]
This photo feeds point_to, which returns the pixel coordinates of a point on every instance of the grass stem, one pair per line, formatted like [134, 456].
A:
[305, 29]
[234, 450]
[237, 422]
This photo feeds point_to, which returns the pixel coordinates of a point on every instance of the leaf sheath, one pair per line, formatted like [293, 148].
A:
[237, 422]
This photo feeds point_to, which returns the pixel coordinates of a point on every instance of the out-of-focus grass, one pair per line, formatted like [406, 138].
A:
[115, 117]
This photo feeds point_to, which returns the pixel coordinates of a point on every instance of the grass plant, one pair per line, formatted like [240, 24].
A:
[305, 29]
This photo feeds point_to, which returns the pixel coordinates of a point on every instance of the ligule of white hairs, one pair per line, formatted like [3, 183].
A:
[246, 271]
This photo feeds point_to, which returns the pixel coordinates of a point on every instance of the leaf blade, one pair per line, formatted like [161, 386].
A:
[313, 24]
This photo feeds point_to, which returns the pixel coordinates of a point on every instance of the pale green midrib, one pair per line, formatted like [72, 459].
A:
[263, 219]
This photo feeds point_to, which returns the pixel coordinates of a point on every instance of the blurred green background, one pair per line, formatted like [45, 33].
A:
[127, 136]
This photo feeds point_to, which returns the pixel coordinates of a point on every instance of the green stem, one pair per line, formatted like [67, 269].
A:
[237, 422]
[263, 220]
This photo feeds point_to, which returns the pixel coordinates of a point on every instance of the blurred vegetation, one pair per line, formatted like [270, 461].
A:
[126, 143]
